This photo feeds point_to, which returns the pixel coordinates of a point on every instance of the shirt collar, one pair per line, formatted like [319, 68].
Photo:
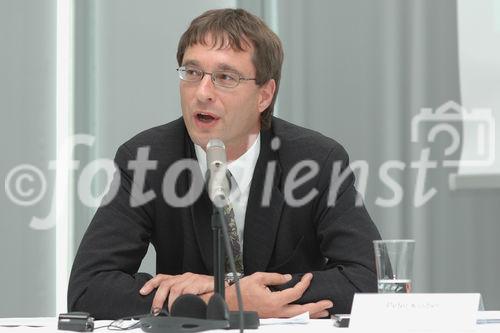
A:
[241, 168]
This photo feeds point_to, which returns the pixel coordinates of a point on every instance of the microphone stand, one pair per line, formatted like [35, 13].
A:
[220, 317]
[218, 250]
[217, 315]
[218, 186]
[237, 319]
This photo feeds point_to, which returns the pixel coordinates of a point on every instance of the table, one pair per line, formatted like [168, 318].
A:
[49, 325]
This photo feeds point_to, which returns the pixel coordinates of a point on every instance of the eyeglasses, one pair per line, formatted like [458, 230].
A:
[224, 79]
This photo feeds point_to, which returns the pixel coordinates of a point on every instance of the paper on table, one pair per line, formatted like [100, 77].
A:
[488, 317]
[300, 319]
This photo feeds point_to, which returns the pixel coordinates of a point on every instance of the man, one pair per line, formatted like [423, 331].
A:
[303, 249]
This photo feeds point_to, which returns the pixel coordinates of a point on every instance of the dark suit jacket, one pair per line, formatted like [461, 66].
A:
[332, 241]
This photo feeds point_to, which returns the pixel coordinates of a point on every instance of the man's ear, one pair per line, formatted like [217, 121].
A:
[266, 94]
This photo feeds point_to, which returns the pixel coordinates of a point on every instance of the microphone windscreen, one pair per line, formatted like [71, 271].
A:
[217, 308]
[189, 305]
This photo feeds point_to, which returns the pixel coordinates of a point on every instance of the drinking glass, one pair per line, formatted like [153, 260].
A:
[394, 263]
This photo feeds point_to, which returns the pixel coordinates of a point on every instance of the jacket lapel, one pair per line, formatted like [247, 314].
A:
[262, 221]
[202, 213]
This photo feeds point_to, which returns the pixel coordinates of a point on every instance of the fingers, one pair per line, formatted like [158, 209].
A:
[181, 289]
[167, 286]
[272, 279]
[152, 284]
[174, 293]
[319, 315]
[173, 286]
[319, 309]
[292, 294]
[161, 294]
[316, 310]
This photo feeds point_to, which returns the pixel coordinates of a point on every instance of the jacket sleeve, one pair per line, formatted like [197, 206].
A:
[104, 279]
[346, 233]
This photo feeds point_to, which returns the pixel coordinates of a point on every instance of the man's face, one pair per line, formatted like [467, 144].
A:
[229, 114]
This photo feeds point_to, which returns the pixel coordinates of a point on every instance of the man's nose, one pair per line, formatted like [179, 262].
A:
[206, 89]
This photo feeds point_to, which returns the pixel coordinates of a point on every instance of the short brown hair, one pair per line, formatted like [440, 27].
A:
[237, 28]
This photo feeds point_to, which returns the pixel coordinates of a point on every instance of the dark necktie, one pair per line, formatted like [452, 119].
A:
[233, 237]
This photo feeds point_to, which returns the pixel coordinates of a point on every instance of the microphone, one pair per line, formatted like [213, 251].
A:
[219, 186]
[217, 180]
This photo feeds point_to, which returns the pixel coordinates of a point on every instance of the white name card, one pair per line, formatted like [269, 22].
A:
[414, 312]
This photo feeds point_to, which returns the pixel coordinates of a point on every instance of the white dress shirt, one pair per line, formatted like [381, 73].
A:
[242, 172]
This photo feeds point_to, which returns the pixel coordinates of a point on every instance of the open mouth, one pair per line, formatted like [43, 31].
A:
[205, 117]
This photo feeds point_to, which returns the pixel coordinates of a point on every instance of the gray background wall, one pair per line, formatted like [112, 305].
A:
[27, 135]
[354, 70]
[371, 66]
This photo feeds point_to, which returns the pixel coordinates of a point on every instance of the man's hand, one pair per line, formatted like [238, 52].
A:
[173, 286]
[258, 297]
